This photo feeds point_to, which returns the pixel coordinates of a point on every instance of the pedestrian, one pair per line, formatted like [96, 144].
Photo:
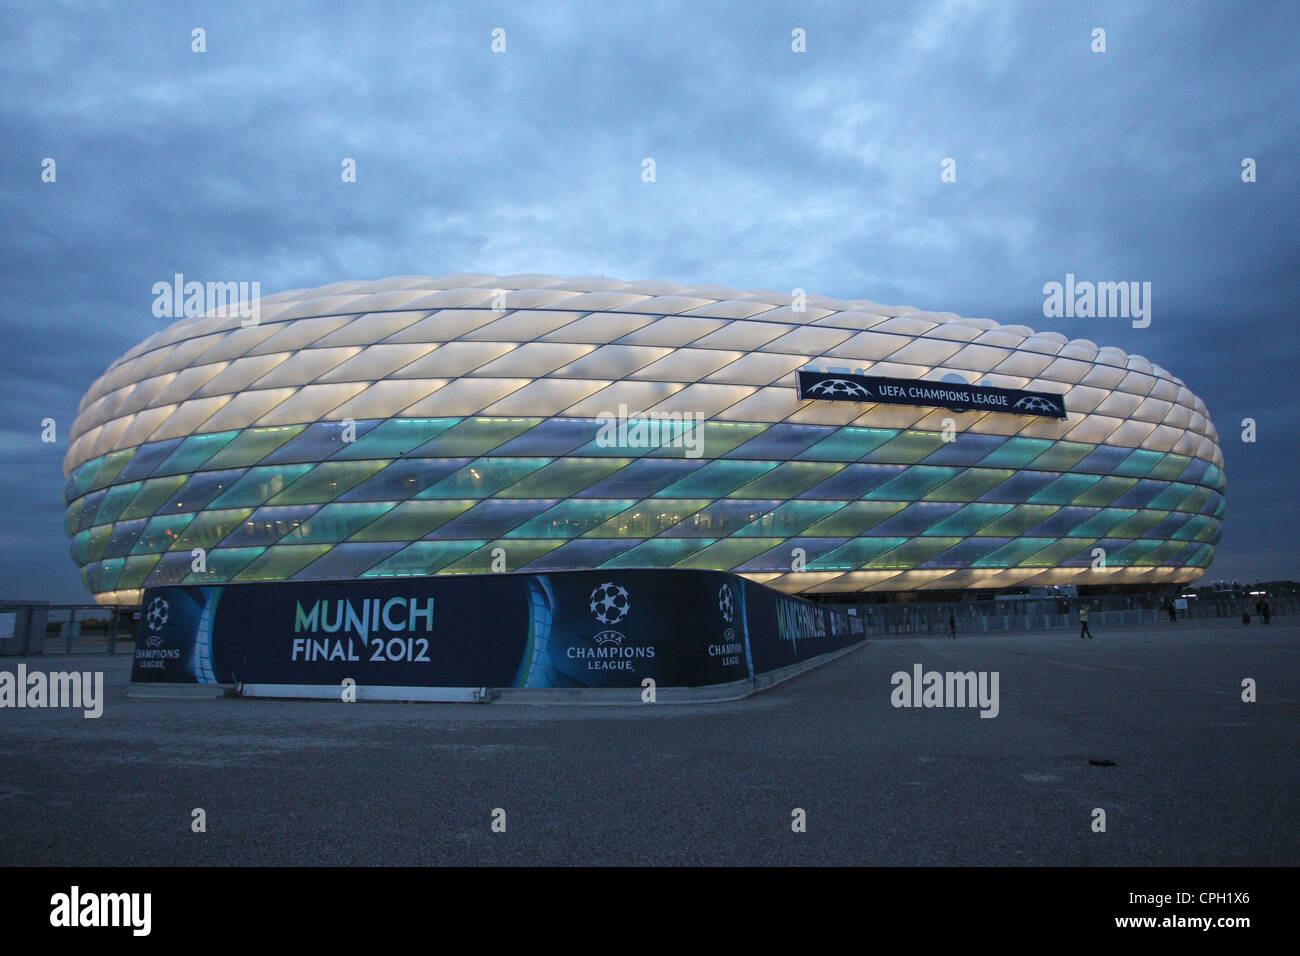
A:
[1265, 611]
[1172, 611]
[1245, 614]
[952, 626]
[1083, 620]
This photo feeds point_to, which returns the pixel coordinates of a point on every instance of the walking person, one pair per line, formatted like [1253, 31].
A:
[1083, 621]
[952, 626]
[1265, 611]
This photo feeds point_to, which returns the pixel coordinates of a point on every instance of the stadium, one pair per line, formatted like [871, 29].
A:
[476, 423]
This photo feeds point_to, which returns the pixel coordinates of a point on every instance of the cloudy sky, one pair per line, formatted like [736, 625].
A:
[774, 169]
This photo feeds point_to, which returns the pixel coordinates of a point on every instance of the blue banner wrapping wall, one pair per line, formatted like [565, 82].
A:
[682, 628]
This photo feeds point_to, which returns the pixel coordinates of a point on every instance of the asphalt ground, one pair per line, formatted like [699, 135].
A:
[1199, 777]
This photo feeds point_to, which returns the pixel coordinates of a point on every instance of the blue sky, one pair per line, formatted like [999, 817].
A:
[774, 169]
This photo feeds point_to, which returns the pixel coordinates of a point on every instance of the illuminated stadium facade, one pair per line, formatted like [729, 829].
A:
[474, 423]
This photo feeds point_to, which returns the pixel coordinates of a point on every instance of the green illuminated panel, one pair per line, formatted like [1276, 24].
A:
[161, 533]
[853, 555]
[1138, 525]
[517, 554]
[478, 436]
[1214, 478]
[969, 520]
[1062, 456]
[394, 438]
[1101, 524]
[106, 469]
[251, 446]
[422, 557]
[110, 572]
[326, 482]
[1012, 553]
[1139, 463]
[193, 452]
[1171, 497]
[912, 484]
[648, 518]
[73, 514]
[1056, 552]
[1131, 554]
[1064, 490]
[1170, 468]
[1016, 453]
[81, 548]
[722, 437]
[97, 542]
[1193, 528]
[1196, 501]
[907, 449]
[787, 479]
[412, 520]
[564, 477]
[256, 485]
[728, 553]
[281, 561]
[210, 528]
[153, 494]
[136, 569]
[336, 522]
[855, 518]
[970, 484]
[848, 444]
[716, 478]
[1104, 491]
[569, 519]
[483, 478]
[117, 498]
[1162, 552]
[85, 479]
[223, 564]
[1018, 521]
[791, 518]
[658, 553]
[911, 553]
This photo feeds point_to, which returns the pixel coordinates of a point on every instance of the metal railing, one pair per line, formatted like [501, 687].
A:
[38, 628]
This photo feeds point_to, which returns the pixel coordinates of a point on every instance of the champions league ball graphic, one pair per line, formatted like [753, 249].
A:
[156, 616]
[1033, 403]
[609, 603]
[724, 603]
[839, 388]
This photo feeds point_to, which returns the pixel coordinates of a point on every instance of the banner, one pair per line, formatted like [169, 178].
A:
[681, 628]
[957, 396]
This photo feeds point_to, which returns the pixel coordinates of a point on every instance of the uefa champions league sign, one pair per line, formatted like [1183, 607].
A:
[680, 628]
[956, 396]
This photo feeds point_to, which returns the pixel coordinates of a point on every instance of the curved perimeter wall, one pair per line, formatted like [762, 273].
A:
[417, 426]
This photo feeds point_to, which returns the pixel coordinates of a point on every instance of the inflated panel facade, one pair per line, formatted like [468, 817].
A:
[474, 423]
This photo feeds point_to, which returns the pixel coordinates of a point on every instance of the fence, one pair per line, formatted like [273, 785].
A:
[889, 620]
[40, 628]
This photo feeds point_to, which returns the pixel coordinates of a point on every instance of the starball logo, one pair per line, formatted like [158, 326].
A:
[610, 604]
[729, 649]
